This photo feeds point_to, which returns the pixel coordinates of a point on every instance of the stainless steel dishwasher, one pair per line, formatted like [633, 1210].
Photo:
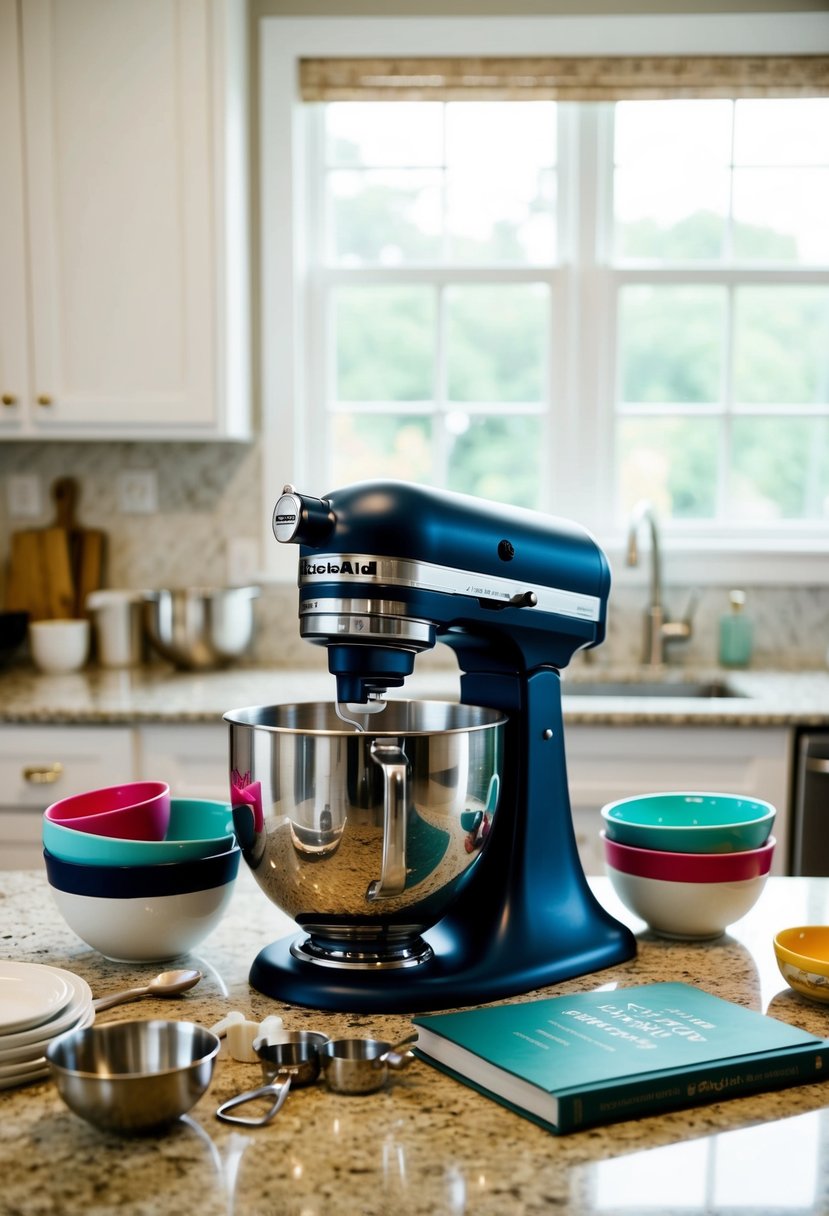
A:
[810, 829]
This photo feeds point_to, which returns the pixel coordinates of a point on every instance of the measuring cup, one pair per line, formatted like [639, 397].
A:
[361, 1066]
[295, 1060]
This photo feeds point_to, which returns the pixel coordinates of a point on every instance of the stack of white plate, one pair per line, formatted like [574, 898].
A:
[37, 1003]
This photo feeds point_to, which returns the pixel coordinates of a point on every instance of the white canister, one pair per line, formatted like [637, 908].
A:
[116, 616]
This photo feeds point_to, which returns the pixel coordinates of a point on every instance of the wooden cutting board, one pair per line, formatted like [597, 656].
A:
[87, 546]
[40, 574]
[52, 570]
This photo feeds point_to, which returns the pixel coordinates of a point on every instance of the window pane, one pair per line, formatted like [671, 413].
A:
[780, 469]
[501, 185]
[793, 131]
[780, 214]
[671, 461]
[520, 136]
[496, 342]
[381, 134]
[385, 218]
[384, 343]
[676, 216]
[673, 132]
[781, 345]
[670, 344]
[493, 217]
[679, 214]
[500, 459]
[380, 445]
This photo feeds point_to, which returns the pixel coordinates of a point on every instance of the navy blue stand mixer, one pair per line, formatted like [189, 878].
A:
[386, 570]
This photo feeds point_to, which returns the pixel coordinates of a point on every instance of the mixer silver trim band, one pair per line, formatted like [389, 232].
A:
[338, 618]
[346, 959]
[426, 576]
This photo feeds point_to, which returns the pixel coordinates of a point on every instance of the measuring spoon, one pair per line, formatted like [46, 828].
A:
[168, 983]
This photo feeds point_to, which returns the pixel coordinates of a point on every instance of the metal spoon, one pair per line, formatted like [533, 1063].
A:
[168, 983]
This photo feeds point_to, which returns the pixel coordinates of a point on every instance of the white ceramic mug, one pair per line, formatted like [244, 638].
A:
[59, 646]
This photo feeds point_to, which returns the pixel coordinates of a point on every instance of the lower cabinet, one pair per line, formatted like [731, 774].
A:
[39, 764]
[192, 759]
[609, 762]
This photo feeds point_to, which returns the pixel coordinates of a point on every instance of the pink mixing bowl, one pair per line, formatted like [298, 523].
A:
[136, 810]
[688, 867]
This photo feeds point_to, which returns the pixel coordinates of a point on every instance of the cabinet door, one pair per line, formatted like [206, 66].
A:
[193, 760]
[122, 127]
[38, 765]
[14, 333]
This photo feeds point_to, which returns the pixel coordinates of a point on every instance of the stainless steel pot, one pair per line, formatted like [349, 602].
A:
[363, 837]
[198, 628]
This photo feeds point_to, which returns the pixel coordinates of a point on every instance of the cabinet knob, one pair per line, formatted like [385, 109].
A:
[44, 399]
[42, 774]
[8, 399]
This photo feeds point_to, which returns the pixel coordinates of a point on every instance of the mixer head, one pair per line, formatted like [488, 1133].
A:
[388, 568]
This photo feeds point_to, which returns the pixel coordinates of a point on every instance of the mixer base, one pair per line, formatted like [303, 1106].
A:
[444, 981]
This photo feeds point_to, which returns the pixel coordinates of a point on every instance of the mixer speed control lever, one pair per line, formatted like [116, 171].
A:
[299, 519]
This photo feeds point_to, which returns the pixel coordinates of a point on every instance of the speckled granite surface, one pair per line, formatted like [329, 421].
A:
[159, 693]
[427, 1144]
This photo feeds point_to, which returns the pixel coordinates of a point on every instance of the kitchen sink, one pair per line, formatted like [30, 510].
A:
[698, 689]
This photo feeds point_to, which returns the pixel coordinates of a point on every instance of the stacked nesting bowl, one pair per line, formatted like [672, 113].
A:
[688, 863]
[138, 875]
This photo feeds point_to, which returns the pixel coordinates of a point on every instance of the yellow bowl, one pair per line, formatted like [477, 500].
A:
[802, 955]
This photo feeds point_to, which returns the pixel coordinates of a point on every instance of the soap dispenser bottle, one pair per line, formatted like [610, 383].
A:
[736, 634]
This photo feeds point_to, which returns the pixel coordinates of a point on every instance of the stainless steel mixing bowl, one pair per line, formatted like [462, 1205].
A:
[199, 628]
[363, 837]
[136, 1076]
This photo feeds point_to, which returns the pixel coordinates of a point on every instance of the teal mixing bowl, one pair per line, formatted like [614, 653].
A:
[199, 827]
[691, 822]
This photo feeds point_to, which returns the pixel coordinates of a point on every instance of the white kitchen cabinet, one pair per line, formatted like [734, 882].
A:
[39, 764]
[603, 763]
[608, 762]
[191, 758]
[123, 219]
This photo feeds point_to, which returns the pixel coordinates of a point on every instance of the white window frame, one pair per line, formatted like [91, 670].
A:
[287, 429]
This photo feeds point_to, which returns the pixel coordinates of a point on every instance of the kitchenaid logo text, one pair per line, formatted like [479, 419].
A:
[286, 519]
[345, 567]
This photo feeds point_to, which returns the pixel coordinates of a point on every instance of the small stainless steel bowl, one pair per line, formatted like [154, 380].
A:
[198, 628]
[132, 1077]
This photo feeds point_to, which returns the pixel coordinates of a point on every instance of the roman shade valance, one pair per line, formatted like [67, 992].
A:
[563, 78]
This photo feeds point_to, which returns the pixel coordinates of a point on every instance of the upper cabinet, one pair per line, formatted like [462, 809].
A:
[124, 260]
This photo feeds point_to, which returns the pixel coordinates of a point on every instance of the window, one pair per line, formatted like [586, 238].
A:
[445, 254]
[569, 305]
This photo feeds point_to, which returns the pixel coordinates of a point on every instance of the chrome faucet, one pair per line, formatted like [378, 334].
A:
[658, 629]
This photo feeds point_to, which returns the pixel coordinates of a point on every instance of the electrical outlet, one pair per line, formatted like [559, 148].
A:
[137, 491]
[23, 496]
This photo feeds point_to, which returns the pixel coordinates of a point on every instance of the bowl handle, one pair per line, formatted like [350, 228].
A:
[392, 759]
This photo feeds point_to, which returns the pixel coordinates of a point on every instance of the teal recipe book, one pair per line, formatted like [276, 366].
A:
[597, 1057]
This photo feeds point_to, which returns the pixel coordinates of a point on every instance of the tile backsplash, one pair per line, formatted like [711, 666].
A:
[209, 524]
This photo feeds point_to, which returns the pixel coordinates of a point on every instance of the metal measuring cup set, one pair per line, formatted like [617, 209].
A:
[348, 1066]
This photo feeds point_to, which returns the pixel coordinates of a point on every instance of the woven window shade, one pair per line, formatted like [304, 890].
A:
[565, 78]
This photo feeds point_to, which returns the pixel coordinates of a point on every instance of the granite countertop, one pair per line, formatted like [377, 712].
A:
[427, 1143]
[161, 694]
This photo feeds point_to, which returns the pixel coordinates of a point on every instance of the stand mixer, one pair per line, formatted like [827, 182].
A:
[386, 570]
